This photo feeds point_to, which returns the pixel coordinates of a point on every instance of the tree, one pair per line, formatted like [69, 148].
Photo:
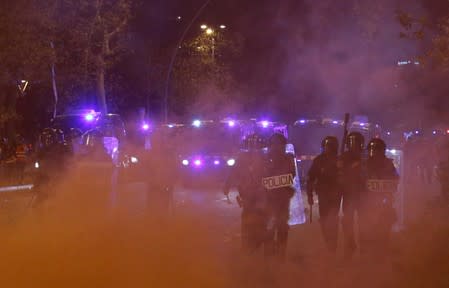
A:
[26, 32]
[202, 74]
[96, 38]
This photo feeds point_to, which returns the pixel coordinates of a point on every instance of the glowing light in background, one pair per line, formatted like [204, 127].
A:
[36, 165]
[198, 162]
[231, 162]
[171, 125]
[388, 133]
[145, 126]
[434, 132]
[334, 122]
[134, 160]
[89, 117]
[203, 27]
[265, 124]
[231, 123]
[185, 162]
[302, 121]
[196, 123]
[217, 162]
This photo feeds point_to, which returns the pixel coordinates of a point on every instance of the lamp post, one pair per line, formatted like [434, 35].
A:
[210, 31]
[175, 52]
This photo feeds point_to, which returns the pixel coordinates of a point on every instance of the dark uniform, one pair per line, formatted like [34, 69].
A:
[52, 156]
[246, 175]
[323, 179]
[280, 172]
[377, 214]
[352, 181]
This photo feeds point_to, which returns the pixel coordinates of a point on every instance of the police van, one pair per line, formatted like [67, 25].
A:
[77, 123]
[208, 149]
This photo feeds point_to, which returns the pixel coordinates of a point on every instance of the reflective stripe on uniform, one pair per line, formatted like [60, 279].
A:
[279, 181]
[382, 186]
[306, 157]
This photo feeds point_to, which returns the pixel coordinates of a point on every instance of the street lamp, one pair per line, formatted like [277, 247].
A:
[173, 57]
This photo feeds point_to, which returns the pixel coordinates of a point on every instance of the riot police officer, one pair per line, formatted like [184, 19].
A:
[377, 215]
[352, 183]
[280, 172]
[52, 154]
[323, 179]
[246, 175]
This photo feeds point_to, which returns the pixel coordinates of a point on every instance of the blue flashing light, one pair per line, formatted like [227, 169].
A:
[145, 126]
[196, 123]
[89, 117]
[231, 123]
[334, 122]
[198, 162]
[265, 124]
[302, 121]
[217, 162]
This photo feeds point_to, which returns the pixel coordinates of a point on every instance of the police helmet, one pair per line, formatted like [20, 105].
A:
[329, 145]
[277, 139]
[376, 147]
[355, 142]
[253, 142]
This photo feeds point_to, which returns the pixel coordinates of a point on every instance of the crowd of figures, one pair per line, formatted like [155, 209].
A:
[86, 161]
[15, 154]
[361, 182]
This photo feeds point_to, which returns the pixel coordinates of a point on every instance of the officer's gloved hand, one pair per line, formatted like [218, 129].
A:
[310, 199]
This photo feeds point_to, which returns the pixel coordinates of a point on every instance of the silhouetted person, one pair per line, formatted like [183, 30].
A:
[247, 175]
[323, 179]
[352, 182]
[280, 172]
[377, 214]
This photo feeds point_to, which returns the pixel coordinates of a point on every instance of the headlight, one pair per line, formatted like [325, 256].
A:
[231, 162]
[134, 160]
[36, 165]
